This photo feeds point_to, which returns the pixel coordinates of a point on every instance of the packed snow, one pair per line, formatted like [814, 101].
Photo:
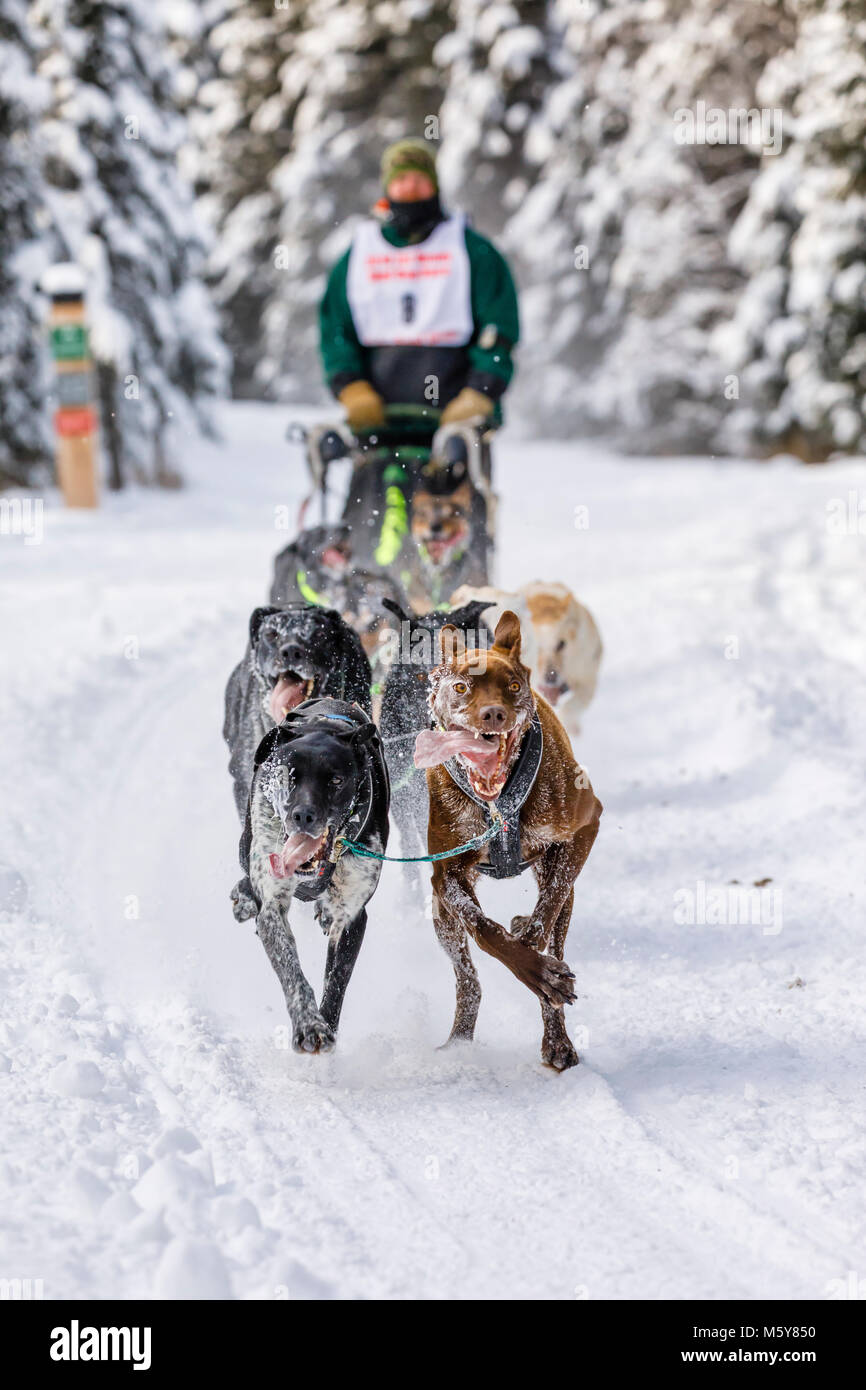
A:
[161, 1139]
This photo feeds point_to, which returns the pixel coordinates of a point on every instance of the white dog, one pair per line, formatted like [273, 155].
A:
[561, 643]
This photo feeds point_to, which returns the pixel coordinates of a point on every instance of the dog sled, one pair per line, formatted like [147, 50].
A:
[387, 465]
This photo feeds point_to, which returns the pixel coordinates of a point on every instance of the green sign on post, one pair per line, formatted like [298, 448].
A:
[68, 342]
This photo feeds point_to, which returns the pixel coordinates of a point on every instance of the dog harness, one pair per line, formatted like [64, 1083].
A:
[502, 835]
[504, 850]
[395, 525]
[316, 716]
[308, 592]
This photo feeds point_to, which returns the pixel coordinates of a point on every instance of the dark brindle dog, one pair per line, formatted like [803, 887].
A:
[502, 746]
[318, 567]
[311, 565]
[319, 777]
[405, 710]
[293, 654]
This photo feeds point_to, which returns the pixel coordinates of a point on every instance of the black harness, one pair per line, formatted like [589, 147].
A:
[503, 851]
[319, 716]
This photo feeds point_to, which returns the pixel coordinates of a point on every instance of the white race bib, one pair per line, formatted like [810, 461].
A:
[411, 294]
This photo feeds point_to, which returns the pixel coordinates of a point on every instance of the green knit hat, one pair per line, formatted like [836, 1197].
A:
[406, 155]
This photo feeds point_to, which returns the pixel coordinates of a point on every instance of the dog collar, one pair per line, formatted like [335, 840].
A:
[504, 851]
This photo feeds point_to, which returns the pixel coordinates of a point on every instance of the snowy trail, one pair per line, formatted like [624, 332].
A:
[162, 1140]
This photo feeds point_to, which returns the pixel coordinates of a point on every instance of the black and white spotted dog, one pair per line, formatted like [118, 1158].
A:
[405, 711]
[293, 654]
[319, 777]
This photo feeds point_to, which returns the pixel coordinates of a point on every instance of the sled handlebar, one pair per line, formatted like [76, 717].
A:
[424, 416]
[395, 415]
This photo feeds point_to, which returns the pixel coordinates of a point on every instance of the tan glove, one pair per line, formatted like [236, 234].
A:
[363, 405]
[467, 405]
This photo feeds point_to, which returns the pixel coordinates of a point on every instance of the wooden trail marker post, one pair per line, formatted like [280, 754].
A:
[75, 416]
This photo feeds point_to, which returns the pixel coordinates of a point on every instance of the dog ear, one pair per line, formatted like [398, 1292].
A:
[257, 617]
[365, 735]
[452, 643]
[267, 745]
[469, 613]
[395, 608]
[507, 634]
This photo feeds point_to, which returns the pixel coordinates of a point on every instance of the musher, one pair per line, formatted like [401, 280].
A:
[420, 313]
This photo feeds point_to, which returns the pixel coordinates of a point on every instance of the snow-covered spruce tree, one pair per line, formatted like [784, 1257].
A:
[661, 385]
[25, 436]
[189, 28]
[658, 279]
[364, 76]
[499, 64]
[122, 211]
[309, 94]
[244, 128]
[798, 341]
[565, 113]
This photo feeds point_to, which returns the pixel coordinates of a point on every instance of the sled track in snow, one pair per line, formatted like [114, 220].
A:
[165, 1140]
[329, 1152]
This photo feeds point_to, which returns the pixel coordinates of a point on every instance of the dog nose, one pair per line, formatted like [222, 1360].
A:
[291, 654]
[552, 677]
[303, 817]
[493, 716]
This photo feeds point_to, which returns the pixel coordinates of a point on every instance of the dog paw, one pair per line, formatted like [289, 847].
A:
[548, 978]
[530, 932]
[559, 1054]
[313, 1035]
[243, 904]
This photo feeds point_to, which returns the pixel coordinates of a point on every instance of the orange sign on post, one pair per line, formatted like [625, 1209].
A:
[75, 417]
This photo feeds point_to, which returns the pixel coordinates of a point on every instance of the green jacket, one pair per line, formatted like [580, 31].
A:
[488, 368]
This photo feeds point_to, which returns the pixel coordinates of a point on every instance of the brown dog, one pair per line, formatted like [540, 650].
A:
[561, 642]
[504, 745]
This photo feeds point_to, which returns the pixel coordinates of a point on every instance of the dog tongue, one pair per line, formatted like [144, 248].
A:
[295, 852]
[333, 558]
[432, 746]
[285, 695]
[437, 549]
[551, 693]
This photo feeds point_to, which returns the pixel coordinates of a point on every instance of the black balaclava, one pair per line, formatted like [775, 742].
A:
[415, 220]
